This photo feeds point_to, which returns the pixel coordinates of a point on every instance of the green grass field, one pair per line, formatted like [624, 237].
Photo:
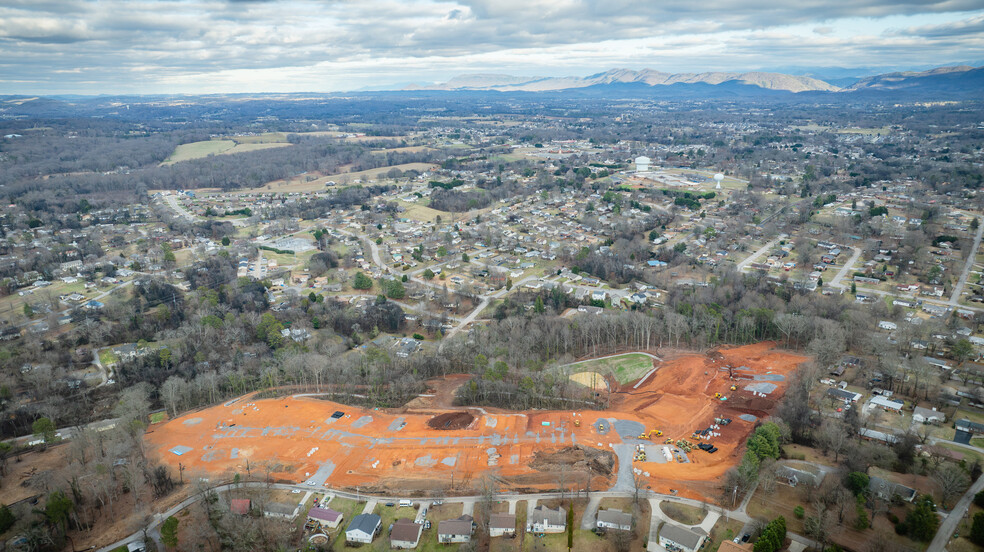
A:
[198, 150]
[245, 144]
[625, 368]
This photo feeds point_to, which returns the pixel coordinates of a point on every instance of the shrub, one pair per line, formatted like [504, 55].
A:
[799, 512]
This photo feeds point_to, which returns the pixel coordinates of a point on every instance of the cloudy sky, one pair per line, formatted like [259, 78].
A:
[192, 46]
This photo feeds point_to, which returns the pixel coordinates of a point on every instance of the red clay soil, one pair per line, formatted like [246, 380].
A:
[451, 420]
[400, 450]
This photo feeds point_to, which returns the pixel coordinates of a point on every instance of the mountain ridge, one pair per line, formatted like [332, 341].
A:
[941, 78]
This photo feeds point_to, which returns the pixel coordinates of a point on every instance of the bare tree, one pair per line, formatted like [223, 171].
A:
[953, 481]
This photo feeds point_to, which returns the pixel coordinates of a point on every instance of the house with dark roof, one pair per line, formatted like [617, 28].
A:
[614, 519]
[405, 534]
[676, 538]
[363, 528]
[843, 395]
[502, 524]
[456, 530]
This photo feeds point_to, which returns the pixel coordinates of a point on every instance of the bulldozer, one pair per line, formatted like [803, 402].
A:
[717, 395]
[734, 387]
[577, 422]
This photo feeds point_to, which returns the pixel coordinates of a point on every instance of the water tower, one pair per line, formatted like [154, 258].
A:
[718, 178]
[642, 164]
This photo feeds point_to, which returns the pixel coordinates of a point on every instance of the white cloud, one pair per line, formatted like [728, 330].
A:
[308, 45]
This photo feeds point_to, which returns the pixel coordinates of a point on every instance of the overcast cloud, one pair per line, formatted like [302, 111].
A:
[144, 46]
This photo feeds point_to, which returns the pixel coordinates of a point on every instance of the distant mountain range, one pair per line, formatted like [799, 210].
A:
[960, 80]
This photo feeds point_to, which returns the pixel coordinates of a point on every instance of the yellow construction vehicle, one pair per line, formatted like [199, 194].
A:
[717, 395]
[668, 441]
[577, 422]
[734, 387]
[649, 435]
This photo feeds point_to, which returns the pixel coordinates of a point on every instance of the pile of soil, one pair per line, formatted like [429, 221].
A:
[759, 406]
[576, 458]
[451, 420]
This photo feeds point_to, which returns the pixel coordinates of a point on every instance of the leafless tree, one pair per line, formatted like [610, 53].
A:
[953, 481]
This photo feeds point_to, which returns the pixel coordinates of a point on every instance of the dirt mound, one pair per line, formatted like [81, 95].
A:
[599, 462]
[451, 420]
[752, 405]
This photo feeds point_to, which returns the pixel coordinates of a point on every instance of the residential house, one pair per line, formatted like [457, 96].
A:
[874, 435]
[363, 528]
[884, 403]
[545, 520]
[675, 538]
[455, 530]
[614, 519]
[405, 534]
[843, 395]
[502, 524]
[922, 415]
[887, 489]
[326, 517]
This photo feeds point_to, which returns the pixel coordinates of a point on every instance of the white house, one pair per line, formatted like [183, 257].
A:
[679, 539]
[614, 519]
[363, 528]
[545, 520]
[922, 415]
[886, 403]
[502, 524]
[886, 325]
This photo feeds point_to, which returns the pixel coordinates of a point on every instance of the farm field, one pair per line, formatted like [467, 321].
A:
[199, 150]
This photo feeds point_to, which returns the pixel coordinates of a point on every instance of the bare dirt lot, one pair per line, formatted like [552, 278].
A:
[426, 445]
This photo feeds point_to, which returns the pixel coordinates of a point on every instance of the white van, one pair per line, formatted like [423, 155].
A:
[406, 504]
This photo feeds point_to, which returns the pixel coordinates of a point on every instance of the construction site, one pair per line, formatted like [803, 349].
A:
[675, 430]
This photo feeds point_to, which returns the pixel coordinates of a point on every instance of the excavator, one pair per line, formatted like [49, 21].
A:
[649, 435]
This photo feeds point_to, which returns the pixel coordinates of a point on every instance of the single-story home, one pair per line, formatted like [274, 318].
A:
[679, 539]
[545, 520]
[969, 426]
[363, 528]
[922, 415]
[405, 534]
[887, 489]
[502, 524]
[455, 530]
[614, 519]
[886, 403]
[874, 435]
[325, 516]
[843, 395]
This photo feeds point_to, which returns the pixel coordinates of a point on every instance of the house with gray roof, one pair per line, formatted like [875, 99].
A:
[885, 489]
[363, 528]
[455, 530]
[922, 415]
[545, 520]
[502, 524]
[614, 519]
[676, 538]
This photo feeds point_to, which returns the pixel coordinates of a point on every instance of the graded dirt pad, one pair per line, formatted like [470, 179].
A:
[597, 462]
[451, 420]
[427, 446]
